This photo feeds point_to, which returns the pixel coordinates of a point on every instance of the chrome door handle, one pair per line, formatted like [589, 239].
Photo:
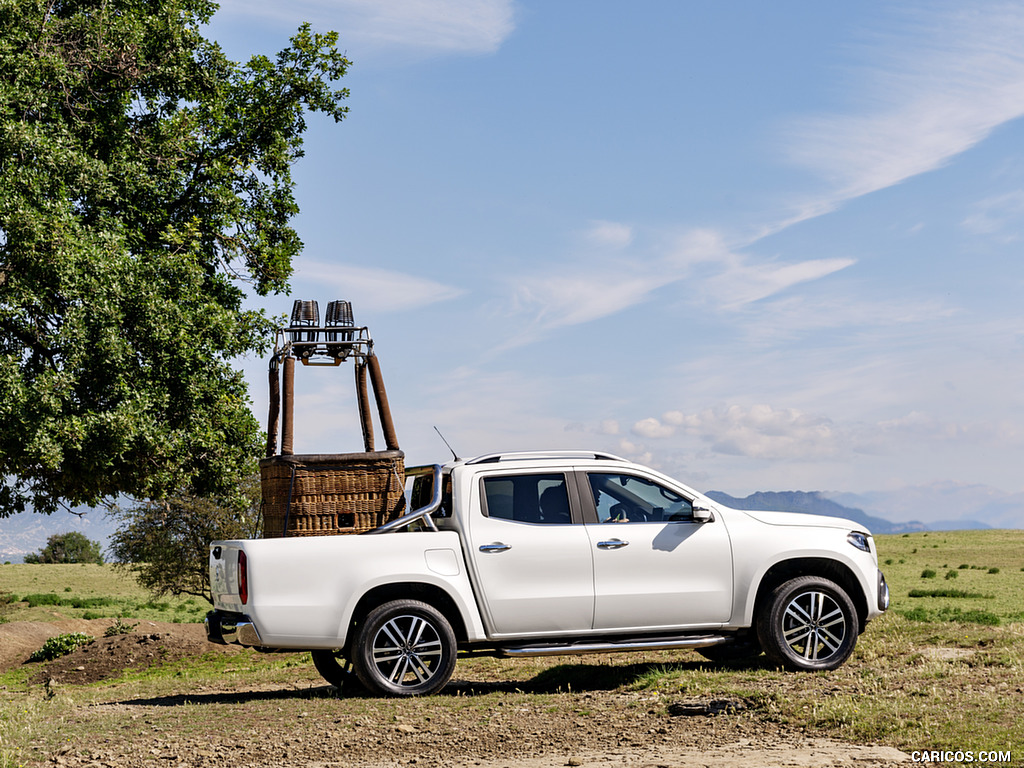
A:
[497, 547]
[612, 544]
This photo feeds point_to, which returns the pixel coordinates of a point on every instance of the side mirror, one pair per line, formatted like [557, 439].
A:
[702, 515]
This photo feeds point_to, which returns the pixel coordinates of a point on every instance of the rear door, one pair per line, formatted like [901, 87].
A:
[531, 554]
[655, 567]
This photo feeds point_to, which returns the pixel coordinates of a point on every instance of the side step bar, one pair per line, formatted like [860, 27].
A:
[652, 644]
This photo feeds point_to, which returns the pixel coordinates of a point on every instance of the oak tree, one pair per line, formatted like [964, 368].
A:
[70, 547]
[145, 191]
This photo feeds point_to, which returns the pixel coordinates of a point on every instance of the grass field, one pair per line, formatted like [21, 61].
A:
[942, 670]
[50, 592]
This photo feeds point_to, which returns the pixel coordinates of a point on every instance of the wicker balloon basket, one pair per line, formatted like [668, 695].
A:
[331, 494]
[336, 493]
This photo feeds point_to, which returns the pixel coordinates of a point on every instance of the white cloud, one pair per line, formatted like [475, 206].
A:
[939, 85]
[440, 26]
[652, 428]
[377, 289]
[757, 431]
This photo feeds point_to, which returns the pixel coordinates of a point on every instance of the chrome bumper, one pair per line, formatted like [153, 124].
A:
[231, 629]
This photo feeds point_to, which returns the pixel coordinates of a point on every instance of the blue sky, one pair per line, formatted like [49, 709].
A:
[757, 246]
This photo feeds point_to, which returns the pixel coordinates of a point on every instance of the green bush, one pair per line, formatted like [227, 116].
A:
[951, 575]
[71, 547]
[947, 593]
[974, 616]
[928, 573]
[993, 570]
[61, 645]
[35, 600]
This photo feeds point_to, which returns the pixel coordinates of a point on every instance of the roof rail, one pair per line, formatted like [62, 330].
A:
[493, 458]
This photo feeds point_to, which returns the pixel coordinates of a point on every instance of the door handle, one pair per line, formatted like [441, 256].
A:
[496, 547]
[612, 544]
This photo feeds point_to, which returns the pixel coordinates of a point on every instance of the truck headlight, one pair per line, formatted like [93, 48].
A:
[860, 540]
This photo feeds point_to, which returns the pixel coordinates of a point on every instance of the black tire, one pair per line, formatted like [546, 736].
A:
[743, 649]
[809, 623]
[335, 669]
[404, 648]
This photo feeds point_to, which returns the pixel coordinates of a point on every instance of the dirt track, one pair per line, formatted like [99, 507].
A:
[308, 724]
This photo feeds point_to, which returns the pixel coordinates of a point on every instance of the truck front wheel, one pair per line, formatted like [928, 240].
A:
[808, 623]
[404, 648]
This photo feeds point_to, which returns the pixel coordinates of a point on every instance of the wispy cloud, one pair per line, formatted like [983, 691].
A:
[999, 216]
[609, 234]
[584, 291]
[930, 89]
[432, 26]
[380, 290]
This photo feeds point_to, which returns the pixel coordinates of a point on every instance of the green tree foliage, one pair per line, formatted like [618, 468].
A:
[145, 187]
[71, 547]
[166, 543]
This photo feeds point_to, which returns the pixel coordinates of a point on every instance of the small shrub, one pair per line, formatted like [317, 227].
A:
[952, 575]
[974, 616]
[948, 593]
[964, 566]
[993, 570]
[119, 628]
[917, 614]
[61, 645]
[35, 600]
[928, 573]
[89, 602]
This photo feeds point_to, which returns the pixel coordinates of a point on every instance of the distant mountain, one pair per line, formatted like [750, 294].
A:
[943, 505]
[814, 503]
[26, 532]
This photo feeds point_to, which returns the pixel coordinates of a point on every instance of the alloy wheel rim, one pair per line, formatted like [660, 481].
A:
[407, 650]
[814, 626]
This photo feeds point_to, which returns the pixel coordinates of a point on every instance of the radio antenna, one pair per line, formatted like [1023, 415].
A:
[454, 454]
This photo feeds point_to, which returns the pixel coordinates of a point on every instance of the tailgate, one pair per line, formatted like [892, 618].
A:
[226, 580]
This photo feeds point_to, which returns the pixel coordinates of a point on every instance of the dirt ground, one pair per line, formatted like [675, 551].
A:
[299, 725]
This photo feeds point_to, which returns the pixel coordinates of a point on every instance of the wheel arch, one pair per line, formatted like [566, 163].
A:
[822, 567]
[412, 590]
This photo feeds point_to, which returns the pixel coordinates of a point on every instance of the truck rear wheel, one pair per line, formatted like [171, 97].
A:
[808, 623]
[404, 648]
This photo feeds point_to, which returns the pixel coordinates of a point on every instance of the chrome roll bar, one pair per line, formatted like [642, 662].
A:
[423, 513]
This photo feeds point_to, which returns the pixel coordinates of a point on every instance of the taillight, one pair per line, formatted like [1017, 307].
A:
[243, 577]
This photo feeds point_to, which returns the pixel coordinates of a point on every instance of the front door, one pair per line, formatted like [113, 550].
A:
[655, 567]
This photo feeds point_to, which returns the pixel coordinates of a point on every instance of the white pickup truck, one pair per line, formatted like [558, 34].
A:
[531, 554]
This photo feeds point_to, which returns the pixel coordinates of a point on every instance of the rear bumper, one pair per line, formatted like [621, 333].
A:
[226, 628]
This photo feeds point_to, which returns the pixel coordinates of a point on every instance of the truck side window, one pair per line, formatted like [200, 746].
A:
[541, 498]
[422, 492]
[631, 499]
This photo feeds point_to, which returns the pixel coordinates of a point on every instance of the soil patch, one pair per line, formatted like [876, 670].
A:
[308, 724]
[148, 644]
